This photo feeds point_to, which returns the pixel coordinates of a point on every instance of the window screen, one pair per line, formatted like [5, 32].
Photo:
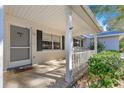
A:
[19, 43]
[19, 54]
[47, 41]
[19, 37]
[56, 41]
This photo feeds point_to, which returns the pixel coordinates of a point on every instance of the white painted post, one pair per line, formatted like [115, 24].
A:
[68, 44]
[95, 43]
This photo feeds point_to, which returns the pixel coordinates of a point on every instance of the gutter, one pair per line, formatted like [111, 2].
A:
[110, 35]
[91, 16]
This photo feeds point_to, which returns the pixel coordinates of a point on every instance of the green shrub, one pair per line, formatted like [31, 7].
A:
[121, 44]
[104, 69]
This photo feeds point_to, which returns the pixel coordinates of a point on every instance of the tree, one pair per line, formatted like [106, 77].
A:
[113, 14]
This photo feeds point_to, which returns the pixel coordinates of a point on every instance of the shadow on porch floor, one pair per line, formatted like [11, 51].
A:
[48, 74]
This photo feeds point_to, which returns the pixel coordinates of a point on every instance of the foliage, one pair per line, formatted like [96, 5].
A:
[121, 46]
[105, 69]
[112, 14]
[100, 46]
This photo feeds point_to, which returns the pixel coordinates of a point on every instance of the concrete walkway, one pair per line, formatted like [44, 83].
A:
[48, 74]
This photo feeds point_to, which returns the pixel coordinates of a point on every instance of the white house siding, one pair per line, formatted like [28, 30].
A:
[37, 56]
[110, 43]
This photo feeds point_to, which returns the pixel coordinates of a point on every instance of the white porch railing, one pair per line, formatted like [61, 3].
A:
[79, 61]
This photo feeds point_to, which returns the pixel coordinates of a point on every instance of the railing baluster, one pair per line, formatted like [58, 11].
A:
[79, 60]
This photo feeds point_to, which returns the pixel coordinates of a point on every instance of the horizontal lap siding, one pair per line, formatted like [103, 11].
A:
[49, 55]
[37, 56]
[110, 43]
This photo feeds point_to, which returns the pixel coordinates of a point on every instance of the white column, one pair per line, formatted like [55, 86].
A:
[95, 43]
[68, 44]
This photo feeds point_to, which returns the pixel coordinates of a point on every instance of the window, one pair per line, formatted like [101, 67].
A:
[76, 42]
[56, 42]
[47, 41]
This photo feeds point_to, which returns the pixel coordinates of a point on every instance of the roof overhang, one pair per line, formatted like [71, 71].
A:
[91, 16]
[53, 16]
[112, 35]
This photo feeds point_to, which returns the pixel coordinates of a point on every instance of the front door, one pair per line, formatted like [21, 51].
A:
[20, 50]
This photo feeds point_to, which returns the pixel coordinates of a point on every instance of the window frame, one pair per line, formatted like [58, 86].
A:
[50, 40]
[80, 42]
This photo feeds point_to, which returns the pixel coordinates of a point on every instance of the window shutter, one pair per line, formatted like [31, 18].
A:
[63, 42]
[81, 43]
[39, 40]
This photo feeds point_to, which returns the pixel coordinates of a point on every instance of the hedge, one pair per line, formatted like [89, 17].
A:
[105, 69]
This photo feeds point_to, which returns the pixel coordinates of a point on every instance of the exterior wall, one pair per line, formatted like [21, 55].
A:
[110, 43]
[37, 56]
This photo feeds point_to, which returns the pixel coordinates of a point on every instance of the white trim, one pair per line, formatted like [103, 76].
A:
[111, 35]
[83, 51]
[20, 47]
[19, 63]
[91, 15]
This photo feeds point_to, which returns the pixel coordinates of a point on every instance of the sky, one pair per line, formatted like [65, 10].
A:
[104, 17]
[101, 20]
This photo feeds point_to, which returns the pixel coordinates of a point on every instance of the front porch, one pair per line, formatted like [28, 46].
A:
[48, 74]
[47, 38]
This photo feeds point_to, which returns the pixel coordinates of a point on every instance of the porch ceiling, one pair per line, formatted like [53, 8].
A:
[54, 17]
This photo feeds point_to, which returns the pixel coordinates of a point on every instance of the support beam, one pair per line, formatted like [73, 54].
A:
[69, 44]
[95, 43]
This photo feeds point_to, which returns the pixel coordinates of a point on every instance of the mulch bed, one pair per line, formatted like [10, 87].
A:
[82, 82]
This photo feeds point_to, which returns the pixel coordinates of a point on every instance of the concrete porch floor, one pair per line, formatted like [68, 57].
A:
[48, 74]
